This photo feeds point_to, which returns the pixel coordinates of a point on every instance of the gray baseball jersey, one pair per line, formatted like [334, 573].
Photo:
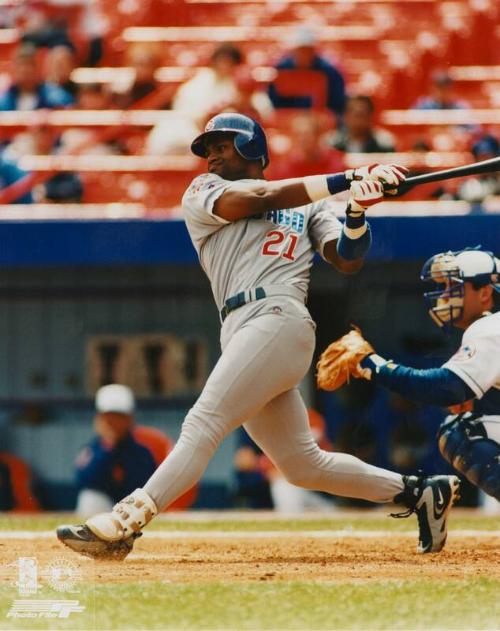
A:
[267, 348]
[275, 248]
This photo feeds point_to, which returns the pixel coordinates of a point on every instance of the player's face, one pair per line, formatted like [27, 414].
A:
[112, 426]
[475, 302]
[224, 160]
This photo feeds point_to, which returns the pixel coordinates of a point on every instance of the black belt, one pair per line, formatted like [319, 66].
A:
[240, 299]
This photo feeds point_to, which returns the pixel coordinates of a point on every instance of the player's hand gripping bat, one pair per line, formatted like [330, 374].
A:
[485, 166]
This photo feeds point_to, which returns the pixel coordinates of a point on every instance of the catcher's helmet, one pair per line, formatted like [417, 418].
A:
[449, 271]
[249, 138]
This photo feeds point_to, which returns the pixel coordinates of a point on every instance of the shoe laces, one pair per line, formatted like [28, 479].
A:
[403, 514]
[410, 510]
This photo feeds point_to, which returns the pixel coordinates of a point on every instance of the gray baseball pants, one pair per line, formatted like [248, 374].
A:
[267, 348]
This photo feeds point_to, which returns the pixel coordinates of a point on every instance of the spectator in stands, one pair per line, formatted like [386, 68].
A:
[27, 92]
[16, 493]
[211, 88]
[442, 95]
[304, 56]
[477, 189]
[309, 152]
[144, 61]
[114, 462]
[249, 99]
[42, 140]
[90, 96]
[171, 137]
[45, 29]
[59, 64]
[42, 31]
[358, 133]
[221, 86]
[121, 456]
[10, 173]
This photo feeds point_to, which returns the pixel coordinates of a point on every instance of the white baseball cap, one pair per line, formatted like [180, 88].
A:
[115, 398]
[303, 36]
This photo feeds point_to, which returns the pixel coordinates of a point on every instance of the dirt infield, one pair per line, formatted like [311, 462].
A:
[288, 557]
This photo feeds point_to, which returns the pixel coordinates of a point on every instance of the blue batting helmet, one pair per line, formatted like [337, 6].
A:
[249, 138]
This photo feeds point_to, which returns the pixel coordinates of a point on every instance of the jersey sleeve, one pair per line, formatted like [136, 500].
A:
[199, 199]
[323, 225]
[477, 360]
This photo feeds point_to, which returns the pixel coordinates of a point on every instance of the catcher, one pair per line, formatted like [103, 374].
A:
[466, 286]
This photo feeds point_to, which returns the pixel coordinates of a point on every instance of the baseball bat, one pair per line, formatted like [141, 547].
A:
[485, 166]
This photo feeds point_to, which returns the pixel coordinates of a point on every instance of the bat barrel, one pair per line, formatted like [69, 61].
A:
[485, 166]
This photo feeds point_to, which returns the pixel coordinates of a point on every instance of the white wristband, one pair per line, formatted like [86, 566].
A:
[355, 233]
[378, 361]
[356, 206]
[316, 187]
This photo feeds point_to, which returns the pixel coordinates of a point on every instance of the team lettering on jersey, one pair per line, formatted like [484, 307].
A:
[287, 217]
[279, 243]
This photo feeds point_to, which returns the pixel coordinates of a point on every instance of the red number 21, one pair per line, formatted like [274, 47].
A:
[272, 246]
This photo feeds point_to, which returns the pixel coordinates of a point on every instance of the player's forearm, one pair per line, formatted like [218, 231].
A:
[244, 199]
[345, 266]
[434, 386]
[296, 192]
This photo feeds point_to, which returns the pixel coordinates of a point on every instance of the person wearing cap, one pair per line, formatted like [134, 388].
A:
[303, 55]
[464, 295]
[476, 189]
[114, 463]
[441, 95]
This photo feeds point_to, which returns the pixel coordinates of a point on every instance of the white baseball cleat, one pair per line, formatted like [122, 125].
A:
[111, 535]
[82, 540]
[431, 498]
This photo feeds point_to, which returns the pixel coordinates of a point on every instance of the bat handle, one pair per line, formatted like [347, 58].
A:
[401, 189]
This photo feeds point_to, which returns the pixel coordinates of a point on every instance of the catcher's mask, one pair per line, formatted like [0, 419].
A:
[249, 138]
[449, 271]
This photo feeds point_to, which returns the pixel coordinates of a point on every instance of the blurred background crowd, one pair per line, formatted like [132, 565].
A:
[329, 81]
[99, 102]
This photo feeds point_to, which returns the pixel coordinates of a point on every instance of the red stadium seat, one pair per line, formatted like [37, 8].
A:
[300, 82]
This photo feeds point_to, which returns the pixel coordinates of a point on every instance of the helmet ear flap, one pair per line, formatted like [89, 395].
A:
[252, 146]
[247, 147]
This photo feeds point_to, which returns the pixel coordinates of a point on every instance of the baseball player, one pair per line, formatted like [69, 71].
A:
[255, 240]
[466, 288]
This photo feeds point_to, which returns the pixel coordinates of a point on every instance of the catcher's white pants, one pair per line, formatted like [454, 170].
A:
[267, 349]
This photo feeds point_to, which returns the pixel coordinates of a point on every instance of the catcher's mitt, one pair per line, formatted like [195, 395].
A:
[340, 361]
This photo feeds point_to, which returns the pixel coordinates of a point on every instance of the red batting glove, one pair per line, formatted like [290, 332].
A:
[363, 195]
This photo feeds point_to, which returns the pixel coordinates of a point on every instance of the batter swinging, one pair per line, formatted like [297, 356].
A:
[256, 240]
